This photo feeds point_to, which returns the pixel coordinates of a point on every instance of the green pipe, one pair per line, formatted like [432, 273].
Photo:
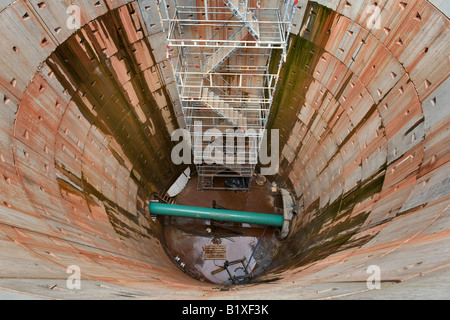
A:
[215, 214]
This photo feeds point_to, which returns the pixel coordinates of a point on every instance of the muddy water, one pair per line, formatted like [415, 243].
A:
[249, 248]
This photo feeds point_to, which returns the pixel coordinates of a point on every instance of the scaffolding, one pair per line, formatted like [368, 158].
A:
[221, 53]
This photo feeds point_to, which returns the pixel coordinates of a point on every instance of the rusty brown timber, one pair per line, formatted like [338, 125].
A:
[85, 122]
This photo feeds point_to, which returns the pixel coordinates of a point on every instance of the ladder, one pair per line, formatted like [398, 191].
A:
[164, 197]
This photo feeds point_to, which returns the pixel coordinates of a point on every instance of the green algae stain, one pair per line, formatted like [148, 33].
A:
[321, 236]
